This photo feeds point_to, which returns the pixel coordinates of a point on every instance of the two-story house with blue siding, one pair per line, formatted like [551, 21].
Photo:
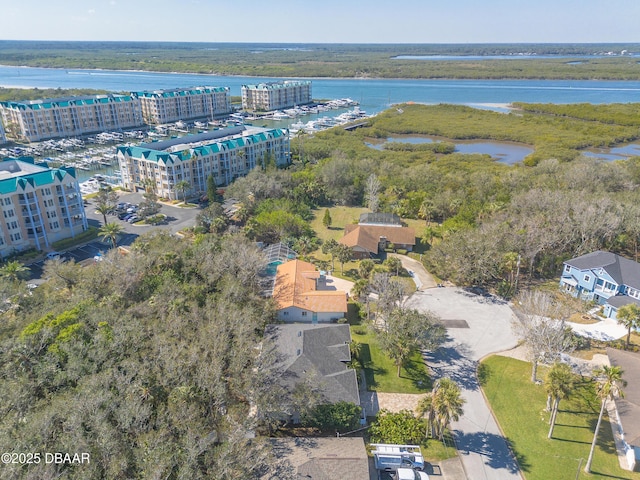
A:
[604, 277]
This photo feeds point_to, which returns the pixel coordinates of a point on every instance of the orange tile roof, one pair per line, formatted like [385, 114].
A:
[295, 286]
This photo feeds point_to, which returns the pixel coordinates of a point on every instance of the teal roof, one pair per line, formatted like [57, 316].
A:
[277, 85]
[215, 146]
[179, 92]
[36, 179]
[66, 102]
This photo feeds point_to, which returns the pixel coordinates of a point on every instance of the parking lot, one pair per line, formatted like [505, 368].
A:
[177, 218]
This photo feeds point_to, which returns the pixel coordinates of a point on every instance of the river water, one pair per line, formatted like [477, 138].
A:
[374, 95]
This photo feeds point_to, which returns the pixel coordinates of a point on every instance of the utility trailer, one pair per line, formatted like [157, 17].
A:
[391, 457]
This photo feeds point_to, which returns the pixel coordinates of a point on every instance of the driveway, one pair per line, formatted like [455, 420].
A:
[476, 327]
[421, 277]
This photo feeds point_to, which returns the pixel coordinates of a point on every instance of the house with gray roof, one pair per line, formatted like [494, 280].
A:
[321, 459]
[604, 277]
[320, 352]
[628, 408]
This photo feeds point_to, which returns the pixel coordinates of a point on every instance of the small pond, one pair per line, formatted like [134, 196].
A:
[615, 153]
[503, 152]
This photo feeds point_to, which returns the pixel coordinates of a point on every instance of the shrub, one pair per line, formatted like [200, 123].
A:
[334, 416]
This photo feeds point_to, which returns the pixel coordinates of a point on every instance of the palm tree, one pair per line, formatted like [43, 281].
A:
[608, 387]
[559, 385]
[110, 231]
[441, 406]
[448, 405]
[14, 271]
[425, 409]
[183, 186]
[629, 316]
[104, 209]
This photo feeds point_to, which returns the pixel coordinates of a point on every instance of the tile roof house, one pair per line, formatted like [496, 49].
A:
[320, 352]
[300, 298]
[375, 232]
[604, 277]
[322, 458]
[628, 408]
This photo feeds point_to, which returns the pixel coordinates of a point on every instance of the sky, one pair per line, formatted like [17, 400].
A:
[324, 21]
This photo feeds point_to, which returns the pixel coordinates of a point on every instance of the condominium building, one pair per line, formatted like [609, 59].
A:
[165, 106]
[226, 154]
[40, 205]
[35, 120]
[276, 95]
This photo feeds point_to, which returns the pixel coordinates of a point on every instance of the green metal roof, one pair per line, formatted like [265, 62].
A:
[36, 179]
[215, 146]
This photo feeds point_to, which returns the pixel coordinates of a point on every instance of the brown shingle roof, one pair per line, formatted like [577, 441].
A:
[324, 458]
[295, 286]
[360, 237]
[368, 236]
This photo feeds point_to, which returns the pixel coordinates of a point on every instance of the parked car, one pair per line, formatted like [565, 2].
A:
[54, 255]
[133, 218]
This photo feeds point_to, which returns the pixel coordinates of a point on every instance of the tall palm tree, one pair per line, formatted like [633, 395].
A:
[426, 410]
[610, 379]
[183, 186]
[104, 209]
[110, 231]
[441, 406]
[559, 385]
[449, 403]
[629, 316]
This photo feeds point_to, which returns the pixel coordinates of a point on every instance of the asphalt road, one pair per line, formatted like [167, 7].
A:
[477, 326]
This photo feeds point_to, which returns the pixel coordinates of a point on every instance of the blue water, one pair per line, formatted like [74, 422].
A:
[503, 152]
[374, 95]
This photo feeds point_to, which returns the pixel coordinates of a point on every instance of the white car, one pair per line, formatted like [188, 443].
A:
[53, 255]
[410, 474]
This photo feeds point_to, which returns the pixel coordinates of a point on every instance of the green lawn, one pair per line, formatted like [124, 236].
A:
[340, 216]
[381, 372]
[519, 407]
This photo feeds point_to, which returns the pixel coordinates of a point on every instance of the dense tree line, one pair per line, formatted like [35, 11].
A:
[151, 362]
[328, 60]
[485, 222]
[18, 94]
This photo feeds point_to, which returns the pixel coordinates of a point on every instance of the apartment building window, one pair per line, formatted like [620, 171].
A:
[9, 213]
[54, 225]
[7, 201]
[1, 241]
[15, 237]
[587, 278]
[12, 225]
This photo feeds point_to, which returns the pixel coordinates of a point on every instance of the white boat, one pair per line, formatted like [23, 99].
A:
[278, 115]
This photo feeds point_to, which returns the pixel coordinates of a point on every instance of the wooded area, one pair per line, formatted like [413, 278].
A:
[579, 61]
